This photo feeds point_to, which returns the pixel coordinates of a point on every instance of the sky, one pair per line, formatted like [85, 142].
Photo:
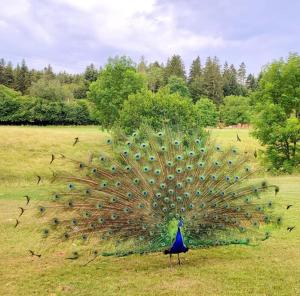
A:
[70, 34]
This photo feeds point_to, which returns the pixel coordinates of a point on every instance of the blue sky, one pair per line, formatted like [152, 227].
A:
[69, 34]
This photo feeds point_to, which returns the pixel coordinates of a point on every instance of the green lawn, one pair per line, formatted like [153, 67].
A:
[271, 268]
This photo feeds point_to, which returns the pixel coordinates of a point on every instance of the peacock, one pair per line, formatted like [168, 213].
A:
[155, 191]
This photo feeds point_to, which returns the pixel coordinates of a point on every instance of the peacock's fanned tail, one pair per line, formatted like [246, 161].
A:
[129, 198]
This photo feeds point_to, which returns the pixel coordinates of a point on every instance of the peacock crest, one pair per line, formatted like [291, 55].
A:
[158, 191]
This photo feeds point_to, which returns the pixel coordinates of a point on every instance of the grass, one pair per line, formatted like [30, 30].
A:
[271, 268]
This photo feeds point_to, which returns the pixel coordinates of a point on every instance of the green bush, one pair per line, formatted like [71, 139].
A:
[115, 83]
[235, 109]
[207, 112]
[157, 109]
[28, 110]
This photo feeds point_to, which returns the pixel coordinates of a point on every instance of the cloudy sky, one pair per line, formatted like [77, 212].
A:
[69, 34]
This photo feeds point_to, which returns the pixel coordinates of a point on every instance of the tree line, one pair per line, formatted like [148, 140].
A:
[125, 95]
[210, 80]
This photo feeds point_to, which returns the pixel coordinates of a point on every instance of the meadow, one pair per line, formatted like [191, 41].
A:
[270, 268]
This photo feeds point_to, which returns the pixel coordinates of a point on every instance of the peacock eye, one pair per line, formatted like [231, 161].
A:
[109, 141]
[157, 172]
[45, 232]
[41, 209]
[151, 158]
[137, 156]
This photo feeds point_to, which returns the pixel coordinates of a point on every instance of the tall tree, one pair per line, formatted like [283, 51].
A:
[195, 70]
[174, 67]
[212, 80]
[230, 84]
[8, 75]
[142, 66]
[155, 76]
[2, 67]
[195, 81]
[116, 82]
[91, 73]
[48, 72]
[251, 82]
[277, 120]
[22, 77]
[241, 74]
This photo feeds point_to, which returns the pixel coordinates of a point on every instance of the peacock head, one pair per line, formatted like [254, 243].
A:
[180, 222]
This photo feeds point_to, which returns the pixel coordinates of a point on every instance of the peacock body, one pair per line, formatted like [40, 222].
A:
[158, 191]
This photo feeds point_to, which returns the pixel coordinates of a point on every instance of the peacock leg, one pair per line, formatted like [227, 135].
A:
[178, 259]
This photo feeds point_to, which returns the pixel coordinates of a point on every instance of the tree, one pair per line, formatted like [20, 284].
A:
[196, 88]
[207, 112]
[212, 80]
[157, 109]
[241, 74]
[2, 67]
[195, 81]
[178, 85]
[155, 76]
[115, 83]
[230, 84]
[8, 75]
[235, 109]
[51, 90]
[142, 67]
[251, 82]
[48, 72]
[174, 67]
[22, 77]
[195, 70]
[277, 123]
[91, 73]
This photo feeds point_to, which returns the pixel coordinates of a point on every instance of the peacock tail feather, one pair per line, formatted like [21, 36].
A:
[130, 197]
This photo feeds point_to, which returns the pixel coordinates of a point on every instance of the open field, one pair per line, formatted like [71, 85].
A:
[271, 268]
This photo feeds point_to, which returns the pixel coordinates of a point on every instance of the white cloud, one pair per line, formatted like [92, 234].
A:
[139, 26]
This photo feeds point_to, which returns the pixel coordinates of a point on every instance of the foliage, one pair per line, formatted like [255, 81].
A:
[212, 80]
[178, 85]
[233, 81]
[28, 110]
[235, 109]
[174, 67]
[91, 73]
[115, 83]
[157, 109]
[195, 81]
[52, 90]
[207, 112]
[277, 119]
[155, 76]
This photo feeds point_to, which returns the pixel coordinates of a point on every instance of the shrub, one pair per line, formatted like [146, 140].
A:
[207, 112]
[235, 109]
[157, 109]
